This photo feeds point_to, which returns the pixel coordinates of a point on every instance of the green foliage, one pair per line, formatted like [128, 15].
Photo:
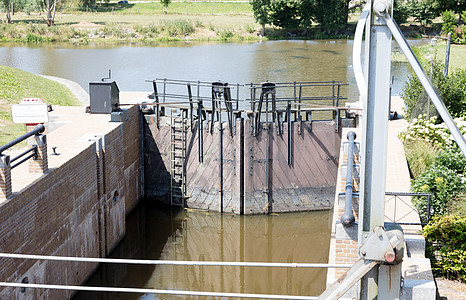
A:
[226, 34]
[32, 38]
[448, 21]
[328, 14]
[423, 11]
[452, 90]
[444, 184]
[453, 159]
[285, 13]
[165, 3]
[427, 130]
[446, 237]
[420, 156]
[400, 12]
[177, 27]
[457, 6]
[249, 28]
[261, 11]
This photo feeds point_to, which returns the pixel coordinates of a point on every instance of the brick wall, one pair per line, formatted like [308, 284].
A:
[77, 209]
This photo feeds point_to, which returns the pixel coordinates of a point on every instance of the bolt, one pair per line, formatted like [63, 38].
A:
[389, 256]
[379, 234]
[363, 252]
[54, 149]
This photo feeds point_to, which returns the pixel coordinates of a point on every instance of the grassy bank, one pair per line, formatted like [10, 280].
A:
[16, 85]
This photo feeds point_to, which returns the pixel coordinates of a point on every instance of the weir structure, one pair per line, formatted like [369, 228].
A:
[205, 149]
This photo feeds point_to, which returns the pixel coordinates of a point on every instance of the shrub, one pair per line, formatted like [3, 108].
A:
[226, 34]
[426, 130]
[443, 183]
[453, 159]
[451, 90]
[177, 27]
[446, 237]
[448, 22]
[420, 156]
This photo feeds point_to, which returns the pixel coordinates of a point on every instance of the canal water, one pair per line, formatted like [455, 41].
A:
[174, 234]
[275, 61]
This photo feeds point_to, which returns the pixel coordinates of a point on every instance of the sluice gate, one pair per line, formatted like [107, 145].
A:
[281, 155]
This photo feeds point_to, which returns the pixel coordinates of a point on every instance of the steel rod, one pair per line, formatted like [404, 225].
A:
[37, 130]
[347, 218]
[149, 291]
[24, 153]
[170, 262]
[23, 160]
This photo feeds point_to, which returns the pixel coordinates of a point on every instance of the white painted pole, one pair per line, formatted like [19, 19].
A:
[150, 291]
[171, 262]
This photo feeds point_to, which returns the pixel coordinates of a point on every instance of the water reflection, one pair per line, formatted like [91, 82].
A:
[160, 233]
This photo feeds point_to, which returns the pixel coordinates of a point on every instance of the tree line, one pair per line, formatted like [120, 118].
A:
[332, 15]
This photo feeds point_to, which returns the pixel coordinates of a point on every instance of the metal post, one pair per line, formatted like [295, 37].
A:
[374, 131]
[288, 121]
[447, 55]
[200, 120]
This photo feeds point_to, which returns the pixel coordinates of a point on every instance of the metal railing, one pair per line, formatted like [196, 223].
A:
[22, 156]
[347, 218]
[398, 195]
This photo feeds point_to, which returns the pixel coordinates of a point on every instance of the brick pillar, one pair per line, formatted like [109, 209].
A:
[5, 177]
[40, 164]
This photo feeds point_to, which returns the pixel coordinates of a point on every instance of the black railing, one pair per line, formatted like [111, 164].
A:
[398, 195]
[37, 130]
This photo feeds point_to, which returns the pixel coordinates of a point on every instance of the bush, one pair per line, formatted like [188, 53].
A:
[177, 27]
[446, 237]
[444, 184]
[453, 159]
[451, 90]
[226, 34]
[448, 22]
[420, 156]
[426, 130]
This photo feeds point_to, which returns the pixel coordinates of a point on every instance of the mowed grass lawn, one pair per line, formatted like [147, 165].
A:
[17, 84]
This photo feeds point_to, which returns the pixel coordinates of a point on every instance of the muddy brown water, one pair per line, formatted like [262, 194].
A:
[173, 234]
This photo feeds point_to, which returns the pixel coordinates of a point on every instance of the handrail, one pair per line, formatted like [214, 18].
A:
[347, 218]
[37, 130]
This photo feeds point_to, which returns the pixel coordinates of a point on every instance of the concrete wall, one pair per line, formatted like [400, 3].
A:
[308, 183]
[77, 209]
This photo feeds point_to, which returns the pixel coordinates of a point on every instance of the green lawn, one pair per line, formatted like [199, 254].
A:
[17, 84]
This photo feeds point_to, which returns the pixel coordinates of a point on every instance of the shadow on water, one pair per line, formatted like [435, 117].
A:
[155, 232]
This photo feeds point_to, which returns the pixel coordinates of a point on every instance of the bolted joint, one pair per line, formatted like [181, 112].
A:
[382, 7]
[351, 135]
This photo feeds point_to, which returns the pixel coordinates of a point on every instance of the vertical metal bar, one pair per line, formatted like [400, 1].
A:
[333, 92]
[375, 130]
[241, 168]
[447, 55]
[162, 112]
[428, 208]
[300, 120]
[156, 108]
[294, 97]
[190, 96]
[200, 122]
[220, 156]
[288, 121]
[237, 96]
[253, 100]
[267, 156]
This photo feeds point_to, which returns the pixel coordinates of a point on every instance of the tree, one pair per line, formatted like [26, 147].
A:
[330, 14]
[423, 11]
[458, 6]
[7, 4]
[400, 11]
[50, 7]
[285, 13]
[261, 10]
[165, 4]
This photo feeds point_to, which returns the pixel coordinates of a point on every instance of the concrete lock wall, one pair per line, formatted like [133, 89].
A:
[77, 209]
[308, 183]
